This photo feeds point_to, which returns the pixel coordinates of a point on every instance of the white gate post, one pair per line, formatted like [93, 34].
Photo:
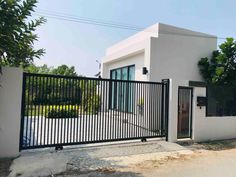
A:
[10, 111]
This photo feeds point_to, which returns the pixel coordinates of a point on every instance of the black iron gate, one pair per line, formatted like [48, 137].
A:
[62, 110]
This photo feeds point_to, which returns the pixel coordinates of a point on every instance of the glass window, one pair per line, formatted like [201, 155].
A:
[221, 101]
[131, 73]
[121, 92]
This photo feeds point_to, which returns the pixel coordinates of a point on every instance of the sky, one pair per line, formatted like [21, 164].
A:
[80, 45]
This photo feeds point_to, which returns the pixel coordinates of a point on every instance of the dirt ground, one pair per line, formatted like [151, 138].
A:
[210, 159]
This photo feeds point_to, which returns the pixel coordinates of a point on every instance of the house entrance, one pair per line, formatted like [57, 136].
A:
[184, 112]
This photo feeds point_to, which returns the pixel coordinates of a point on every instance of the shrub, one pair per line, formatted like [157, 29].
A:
[94, 104]
[62, 113]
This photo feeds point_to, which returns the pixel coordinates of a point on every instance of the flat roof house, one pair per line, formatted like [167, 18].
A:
[166, 52]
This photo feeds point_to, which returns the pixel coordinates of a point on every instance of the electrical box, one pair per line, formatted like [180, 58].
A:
[201, 101]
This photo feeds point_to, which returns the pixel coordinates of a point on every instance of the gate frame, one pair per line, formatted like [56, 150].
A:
[165, 111]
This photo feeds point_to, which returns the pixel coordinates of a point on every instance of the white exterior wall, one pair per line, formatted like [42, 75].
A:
[211, 128]
[10, 111]
[177, 56]
[138, 60]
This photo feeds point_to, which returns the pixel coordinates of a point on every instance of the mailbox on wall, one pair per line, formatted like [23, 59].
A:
[201, 101]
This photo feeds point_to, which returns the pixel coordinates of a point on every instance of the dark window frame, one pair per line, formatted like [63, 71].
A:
[110, 90]
[207, 102]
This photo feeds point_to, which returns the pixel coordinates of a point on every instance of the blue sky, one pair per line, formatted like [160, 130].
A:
[81, 45]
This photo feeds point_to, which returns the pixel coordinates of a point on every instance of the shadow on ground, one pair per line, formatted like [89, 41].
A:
[218, 145]
[5, 167]
[98, 172]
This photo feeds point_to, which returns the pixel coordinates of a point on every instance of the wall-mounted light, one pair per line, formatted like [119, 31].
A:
[145, 71]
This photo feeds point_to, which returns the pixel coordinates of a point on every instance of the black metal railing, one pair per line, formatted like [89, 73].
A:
[61, 110]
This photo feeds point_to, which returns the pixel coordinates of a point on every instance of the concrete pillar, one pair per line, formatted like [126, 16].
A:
[173, 108]
[10, 111]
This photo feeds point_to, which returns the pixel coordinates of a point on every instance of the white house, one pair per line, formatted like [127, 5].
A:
[166, 52]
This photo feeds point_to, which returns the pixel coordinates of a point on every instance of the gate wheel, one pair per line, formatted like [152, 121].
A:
[143, 139]
[58, 148]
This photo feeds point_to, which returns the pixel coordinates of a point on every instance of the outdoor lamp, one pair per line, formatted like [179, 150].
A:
[145, 71]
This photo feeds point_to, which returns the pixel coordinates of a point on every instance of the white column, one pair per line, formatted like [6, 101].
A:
[10, 111]
[173, 108]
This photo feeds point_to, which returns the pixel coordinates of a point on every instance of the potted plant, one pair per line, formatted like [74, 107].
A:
[140, 106]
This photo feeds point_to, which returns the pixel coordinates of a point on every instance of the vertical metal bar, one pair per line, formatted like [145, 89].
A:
[54, 108]
[44, 92]
[146, 107]
[76, 97]
[23, 111]
[50, 107]
[46, 108]
[61, 108]
[58, 109]
[73, 107]
[131, 108]
[162, 109]
[159, 108]
[96, 96]
[150, 109]
[31, 114]
[166, 82]
[155, 92]
[154, 109]
[104, 115]
[37, 117]
[28, 85]
[70, 111]
[100, 94]
[81, 134]
[126, 108]
[140, 112]
[115, 125]
[35, 138]
[108, 98]
[89, 105]
[140, 116]
[120, 109]
[87, 110]
[67, 110]
[93, 104]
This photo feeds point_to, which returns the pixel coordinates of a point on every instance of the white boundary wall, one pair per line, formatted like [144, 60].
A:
[10, 111]
[211, 128]
[203, 128]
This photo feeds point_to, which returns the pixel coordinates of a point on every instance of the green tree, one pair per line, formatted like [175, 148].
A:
[45, 69]
[64, 70]
[221, 67]
[17, 35]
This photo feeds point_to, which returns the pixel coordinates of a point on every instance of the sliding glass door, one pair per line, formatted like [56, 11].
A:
[121, 92]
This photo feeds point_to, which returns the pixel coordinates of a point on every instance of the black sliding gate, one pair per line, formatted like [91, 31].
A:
[61, 110]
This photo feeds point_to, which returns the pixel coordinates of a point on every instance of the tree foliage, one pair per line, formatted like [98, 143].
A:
[221, 67]
[45, 69]
[17, 35]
